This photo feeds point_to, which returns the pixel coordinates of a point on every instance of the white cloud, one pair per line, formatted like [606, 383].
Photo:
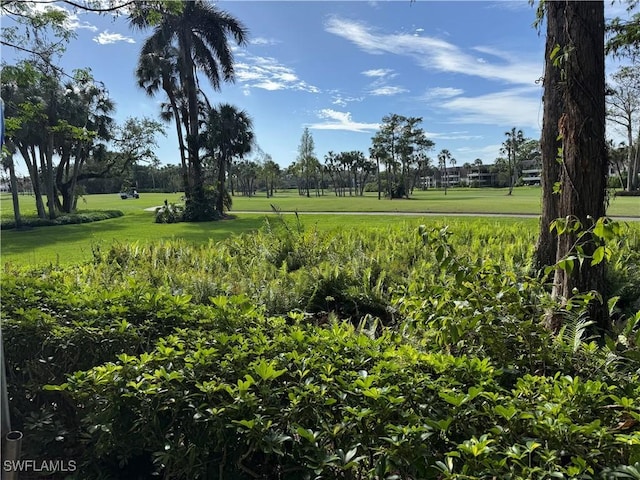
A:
[264, 41]
[379, 86]
[270, 85]
[379, 72]
[511, 5]
[335, 120]
[494, 52]
[106, 38]
[387, 90]
[521, 107]
[341, 101]
[286, 77]
[453, 136]
[72, 21]
[268, 74]
[438, 93]
[435, 54]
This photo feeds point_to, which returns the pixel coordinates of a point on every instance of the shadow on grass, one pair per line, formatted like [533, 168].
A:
[58, 240]
[29, 239]
[202, 232]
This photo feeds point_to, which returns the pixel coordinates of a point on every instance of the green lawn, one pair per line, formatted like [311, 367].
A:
[525, 200]
[74, 243]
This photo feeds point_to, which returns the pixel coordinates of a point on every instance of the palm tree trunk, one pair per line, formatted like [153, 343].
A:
[198, 200]
[378, 171]
[186, 178]
[220, 185]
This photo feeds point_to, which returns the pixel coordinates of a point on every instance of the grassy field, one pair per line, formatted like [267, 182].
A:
[74, 243]
[525, 200]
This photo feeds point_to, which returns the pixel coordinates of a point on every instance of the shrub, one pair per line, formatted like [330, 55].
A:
[170, 213]
[67, 219]
[272, 400]
[289, 354]
[625, 193]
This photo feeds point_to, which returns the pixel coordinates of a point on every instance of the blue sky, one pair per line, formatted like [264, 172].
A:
[471, 70]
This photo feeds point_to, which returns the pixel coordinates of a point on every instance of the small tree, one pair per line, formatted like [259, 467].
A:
[228, 135]
[511, 147]
[307, 160]
[271, 172]
[443, 157]
[623, 108]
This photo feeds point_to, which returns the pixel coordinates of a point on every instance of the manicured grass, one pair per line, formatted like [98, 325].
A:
[524, 200]
[93, 202]
[74, 243]
[69, 244]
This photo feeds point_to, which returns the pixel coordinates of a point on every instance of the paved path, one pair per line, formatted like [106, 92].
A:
[429, 214]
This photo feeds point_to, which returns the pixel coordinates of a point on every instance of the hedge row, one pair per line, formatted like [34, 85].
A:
[68, 219]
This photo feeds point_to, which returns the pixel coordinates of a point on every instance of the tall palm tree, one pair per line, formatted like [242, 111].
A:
[198, 31]
[515, 139]
[478, 163]
[443, 157]
[159, 70]
[228, 135]
[452, 162]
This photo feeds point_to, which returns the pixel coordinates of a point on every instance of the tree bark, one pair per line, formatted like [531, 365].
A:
[186, 177]
[220, 186]
[634, 167]
[584, 167]
[14, 192]
[29, 155]
[198, 199]
[546, 247]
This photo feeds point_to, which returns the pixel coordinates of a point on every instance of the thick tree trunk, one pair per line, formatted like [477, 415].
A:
[13, 181]
[584, 167]
[46, 165]
[29, 156]
[546, 247]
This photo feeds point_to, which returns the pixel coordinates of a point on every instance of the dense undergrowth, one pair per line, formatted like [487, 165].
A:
[391, 353]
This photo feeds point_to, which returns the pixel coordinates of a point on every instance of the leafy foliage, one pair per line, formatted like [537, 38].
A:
[67, 219]
[292, 354]
[169, 213]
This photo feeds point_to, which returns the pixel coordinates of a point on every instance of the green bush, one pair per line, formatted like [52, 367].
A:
[391, 353]
[170, 213]
[625, 193]
[67, 219]
[272, 400]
